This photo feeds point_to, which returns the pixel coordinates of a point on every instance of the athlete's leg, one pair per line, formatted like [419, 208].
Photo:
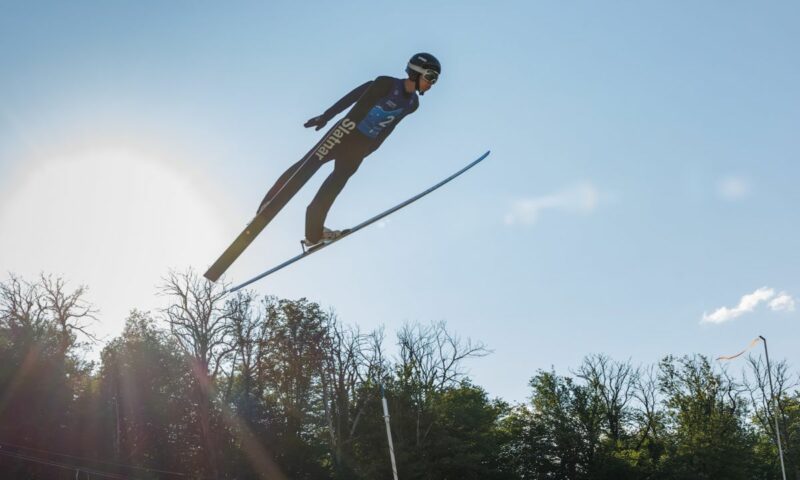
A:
[292, 180]
[304, 170]
[317, 210]
[281, 182]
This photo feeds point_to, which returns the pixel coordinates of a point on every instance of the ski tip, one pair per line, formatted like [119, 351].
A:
[211, 277]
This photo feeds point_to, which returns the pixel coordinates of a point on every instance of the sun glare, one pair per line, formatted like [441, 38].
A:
[113, 220]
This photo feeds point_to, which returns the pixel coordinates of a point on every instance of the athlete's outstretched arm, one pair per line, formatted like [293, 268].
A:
[349, 99]
[363, 96]
[377, 89]
[346, 101]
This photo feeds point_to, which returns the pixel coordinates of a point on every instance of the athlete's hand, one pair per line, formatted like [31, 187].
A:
[318, 122]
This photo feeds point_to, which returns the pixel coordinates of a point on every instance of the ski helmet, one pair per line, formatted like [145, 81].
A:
[425, 65]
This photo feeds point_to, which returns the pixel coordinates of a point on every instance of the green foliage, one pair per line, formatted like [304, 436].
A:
[563, 434]
[249, 388]
[707, 418]
[145, 396]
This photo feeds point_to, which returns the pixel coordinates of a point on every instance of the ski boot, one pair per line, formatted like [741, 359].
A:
[328, 236]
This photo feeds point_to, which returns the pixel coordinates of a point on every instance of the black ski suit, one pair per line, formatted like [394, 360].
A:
[379, 105]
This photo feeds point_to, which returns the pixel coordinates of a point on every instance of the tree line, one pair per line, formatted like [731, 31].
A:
[220, 386]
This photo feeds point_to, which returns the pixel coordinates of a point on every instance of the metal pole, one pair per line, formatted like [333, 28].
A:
[389, 433]
[777, 411]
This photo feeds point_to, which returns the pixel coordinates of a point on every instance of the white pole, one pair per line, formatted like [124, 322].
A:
[777, 408]
[771, 394]
[388, 432]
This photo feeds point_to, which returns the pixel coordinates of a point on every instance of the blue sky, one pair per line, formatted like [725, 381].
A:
[644, 168]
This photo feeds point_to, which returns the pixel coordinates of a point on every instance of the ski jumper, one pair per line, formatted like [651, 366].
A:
[380, 104]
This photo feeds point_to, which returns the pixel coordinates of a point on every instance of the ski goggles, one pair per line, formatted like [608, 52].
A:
[427, 73]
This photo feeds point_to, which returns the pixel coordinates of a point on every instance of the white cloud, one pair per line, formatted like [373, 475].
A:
[581, 198]
[782, 303]
[733, 188]
[749, 302]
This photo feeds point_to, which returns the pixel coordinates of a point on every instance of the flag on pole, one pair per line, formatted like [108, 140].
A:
[731, 357]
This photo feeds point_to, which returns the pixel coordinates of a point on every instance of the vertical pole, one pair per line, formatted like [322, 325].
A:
[777, 411]
[389, 433]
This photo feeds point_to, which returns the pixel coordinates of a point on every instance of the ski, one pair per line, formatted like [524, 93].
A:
[358, 227]
[238, 246]
[251, 231]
